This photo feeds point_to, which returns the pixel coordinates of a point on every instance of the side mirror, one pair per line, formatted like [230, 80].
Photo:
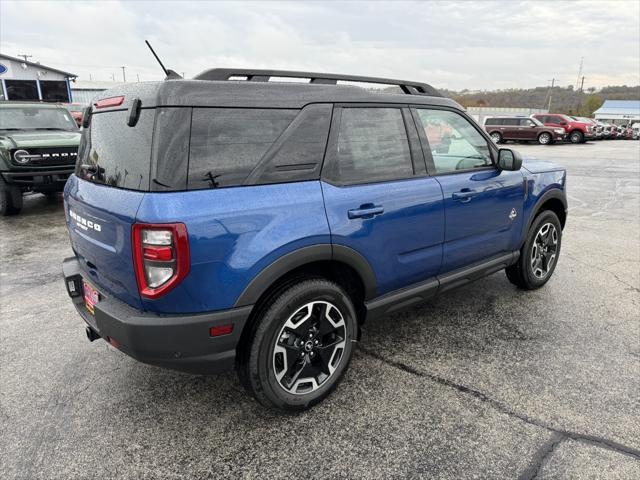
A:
[509, 159]
[563, 123]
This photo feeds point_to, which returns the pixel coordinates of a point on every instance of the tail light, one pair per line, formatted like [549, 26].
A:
[160, 257]
[109, 102]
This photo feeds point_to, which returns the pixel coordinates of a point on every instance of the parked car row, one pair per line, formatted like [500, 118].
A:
[547, 129]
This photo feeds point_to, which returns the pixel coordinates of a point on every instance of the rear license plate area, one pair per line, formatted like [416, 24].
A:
[91, 297]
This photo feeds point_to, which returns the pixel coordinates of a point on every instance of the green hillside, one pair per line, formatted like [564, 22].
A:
[563, 99]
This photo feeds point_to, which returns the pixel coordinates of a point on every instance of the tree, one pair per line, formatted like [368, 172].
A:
[590, 105]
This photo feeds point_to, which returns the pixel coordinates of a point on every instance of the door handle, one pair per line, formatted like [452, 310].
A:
[368, 210]
[464, 196]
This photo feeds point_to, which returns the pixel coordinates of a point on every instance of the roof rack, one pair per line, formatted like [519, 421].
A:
[408, 87]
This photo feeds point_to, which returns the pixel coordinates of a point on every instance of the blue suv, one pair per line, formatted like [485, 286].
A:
[236, 221]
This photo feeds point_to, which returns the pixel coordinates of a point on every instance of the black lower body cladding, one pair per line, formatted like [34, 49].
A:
[179, 342]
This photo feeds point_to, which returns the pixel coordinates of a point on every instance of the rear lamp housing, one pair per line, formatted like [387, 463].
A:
[160, 257]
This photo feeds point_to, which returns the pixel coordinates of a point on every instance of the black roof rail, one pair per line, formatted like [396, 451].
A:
[408, 87]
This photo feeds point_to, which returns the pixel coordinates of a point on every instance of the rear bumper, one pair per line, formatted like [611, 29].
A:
[179, 342]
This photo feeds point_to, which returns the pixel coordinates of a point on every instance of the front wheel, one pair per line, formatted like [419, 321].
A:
[576, 137]
[539, 254]
[10, 199]
[496, 137]
[301, 345]
[545, 139]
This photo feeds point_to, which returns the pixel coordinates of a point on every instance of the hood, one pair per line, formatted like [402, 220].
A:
[533, 165]
[39, 138]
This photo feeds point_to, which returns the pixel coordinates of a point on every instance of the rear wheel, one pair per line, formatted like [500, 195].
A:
[539, 254]
[545, 138]
[301, 345]
[496, 137]
[576, 136]
[10, 199]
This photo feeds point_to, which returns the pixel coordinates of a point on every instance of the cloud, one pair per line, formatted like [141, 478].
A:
[455, 45]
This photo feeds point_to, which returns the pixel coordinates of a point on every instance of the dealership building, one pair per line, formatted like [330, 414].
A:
[620, 112]
[24, 80]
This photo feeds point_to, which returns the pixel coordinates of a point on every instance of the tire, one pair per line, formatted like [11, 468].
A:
[530, 273]
[545, 138]
[496, 137]
[10, 199]
[576, 137]
[300, 346]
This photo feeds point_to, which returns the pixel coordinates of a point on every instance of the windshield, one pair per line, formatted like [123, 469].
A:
[35, 118]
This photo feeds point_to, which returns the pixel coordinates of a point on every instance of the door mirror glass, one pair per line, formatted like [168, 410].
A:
[509, 159]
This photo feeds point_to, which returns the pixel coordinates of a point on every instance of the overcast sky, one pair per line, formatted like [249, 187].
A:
[454, 45]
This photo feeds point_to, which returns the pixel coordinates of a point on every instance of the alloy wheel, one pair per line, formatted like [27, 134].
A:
[309, 347]
[544, 250]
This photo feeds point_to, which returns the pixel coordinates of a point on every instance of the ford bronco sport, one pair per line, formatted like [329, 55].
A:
[230, 220]
[38, 148]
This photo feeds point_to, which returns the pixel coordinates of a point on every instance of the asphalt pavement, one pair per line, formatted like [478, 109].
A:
[483, 382]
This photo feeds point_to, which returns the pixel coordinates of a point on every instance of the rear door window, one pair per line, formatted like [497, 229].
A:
[372, 146]
[114, 154]
[228, 143]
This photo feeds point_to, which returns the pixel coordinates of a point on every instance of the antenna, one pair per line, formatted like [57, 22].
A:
[169, 73]
[166, 72]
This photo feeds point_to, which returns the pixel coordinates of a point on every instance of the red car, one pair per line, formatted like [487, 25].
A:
[577, 132]
[75, 109]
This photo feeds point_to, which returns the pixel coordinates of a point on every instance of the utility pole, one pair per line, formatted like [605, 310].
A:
[582, 84]
[138, 76]
[26, 57]
[124, 79]
[579, 71]
[553, 82]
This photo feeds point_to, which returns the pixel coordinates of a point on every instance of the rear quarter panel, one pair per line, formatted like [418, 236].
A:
[234, 233]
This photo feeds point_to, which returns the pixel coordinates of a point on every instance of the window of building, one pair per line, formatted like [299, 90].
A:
[54, 91]
[22, 90]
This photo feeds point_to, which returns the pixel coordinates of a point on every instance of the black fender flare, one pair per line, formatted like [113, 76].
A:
[554, 193]
[303, 256]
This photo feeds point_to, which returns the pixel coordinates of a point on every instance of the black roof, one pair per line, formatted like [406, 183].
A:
[207, 93]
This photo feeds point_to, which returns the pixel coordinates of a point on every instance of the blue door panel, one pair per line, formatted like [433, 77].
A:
[234, 233]
[479, 215]
[403, 243]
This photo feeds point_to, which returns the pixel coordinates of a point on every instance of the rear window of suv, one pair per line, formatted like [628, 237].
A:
[227, 143]
[111, 153]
